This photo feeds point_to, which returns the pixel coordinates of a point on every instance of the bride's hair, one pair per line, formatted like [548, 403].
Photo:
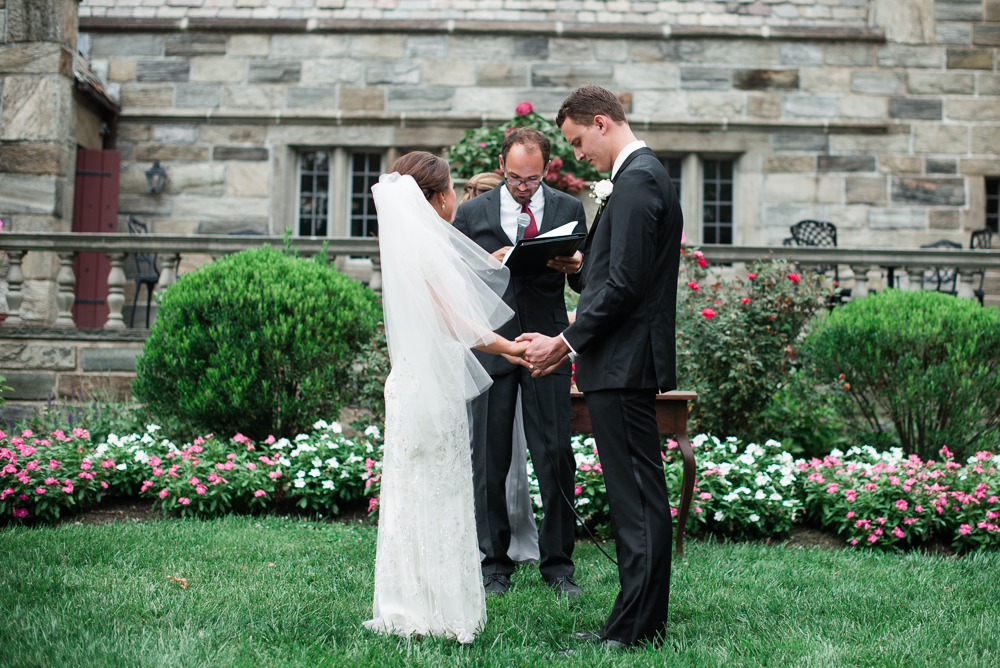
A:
[431, 173]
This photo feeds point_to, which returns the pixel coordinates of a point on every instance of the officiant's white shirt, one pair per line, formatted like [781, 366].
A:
[510, 210]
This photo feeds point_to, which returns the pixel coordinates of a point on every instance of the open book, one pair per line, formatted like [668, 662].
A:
[531, 256]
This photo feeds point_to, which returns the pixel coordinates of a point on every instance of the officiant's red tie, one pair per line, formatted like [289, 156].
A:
[532, 230]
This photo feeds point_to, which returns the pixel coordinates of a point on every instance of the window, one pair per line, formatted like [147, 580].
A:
[993, 203]
[717, 202]
[335, 197]
[314, 194]
[365, 170]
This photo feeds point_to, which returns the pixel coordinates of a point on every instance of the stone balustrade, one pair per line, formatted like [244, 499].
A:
[905, 263]
[169, 247]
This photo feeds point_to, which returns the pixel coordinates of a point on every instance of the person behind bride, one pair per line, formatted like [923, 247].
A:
[442, 297]
[491, 221]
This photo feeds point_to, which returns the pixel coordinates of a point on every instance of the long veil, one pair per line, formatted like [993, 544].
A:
[442, 294]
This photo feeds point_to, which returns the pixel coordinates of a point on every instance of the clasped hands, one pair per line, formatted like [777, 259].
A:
[539, 353]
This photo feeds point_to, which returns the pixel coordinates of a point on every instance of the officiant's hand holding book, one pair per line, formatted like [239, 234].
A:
[539, 255]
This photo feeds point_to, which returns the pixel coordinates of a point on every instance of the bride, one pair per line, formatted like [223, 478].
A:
[442, 296]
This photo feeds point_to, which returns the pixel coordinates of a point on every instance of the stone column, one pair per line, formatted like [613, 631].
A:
[37, 137]
[860, 289]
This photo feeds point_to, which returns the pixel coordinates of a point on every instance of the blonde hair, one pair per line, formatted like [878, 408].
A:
[479, 184]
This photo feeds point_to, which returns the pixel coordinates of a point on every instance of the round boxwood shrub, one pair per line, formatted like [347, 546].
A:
[257, 343]
[922, 369]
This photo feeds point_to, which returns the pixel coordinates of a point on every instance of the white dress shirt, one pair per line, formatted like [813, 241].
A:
[510, 210]
[619, 161]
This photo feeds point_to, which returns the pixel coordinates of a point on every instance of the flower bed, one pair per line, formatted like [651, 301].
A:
[751, 491]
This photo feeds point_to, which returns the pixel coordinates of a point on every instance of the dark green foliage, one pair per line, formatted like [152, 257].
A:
[735, 340]
[921, 368]
[367, 380]
[258, 342]
[807, 417]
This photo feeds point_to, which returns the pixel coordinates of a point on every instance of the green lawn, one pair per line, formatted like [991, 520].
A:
[277, 592]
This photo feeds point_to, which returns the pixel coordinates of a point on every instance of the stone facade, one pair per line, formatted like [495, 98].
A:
[37, 134]
[671, 12]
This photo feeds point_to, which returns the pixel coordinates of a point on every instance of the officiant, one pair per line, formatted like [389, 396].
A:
[491, 221]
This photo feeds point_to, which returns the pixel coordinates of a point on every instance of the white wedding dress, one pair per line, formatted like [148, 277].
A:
[442, 296]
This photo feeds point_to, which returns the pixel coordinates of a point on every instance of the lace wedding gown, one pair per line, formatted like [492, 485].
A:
[442, 295]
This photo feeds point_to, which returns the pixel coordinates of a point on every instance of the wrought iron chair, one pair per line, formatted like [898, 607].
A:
[147, 273]
[823, 234]
[941, 279]
[981, 239]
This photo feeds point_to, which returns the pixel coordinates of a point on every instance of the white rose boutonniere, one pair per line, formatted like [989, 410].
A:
[601, 191]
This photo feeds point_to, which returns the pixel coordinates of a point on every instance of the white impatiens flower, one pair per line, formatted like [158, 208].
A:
[300, 483]
[776, 497]
[121, 467]
[302, 437]
[285, 461]
[788, 504]
[150, 428]
[146, 438]
[281, 444]
[762, 479]
[315, 473]
[344, 474]
[329, 484]
[771, 443]
[336, 428]
[142, 457]
[353, 458]
[741, 490]
[719, 516]
[320, 424]
[760, 495]
[101, 449]
[746, 458]
[697, 441]
[754, 517]
[373, 431]
[369, 448]
[755, 450]
[582, 501]
[836, 452]
[333, 463]
[725, 468]
[317, 461]
[732, 496]
[300, 474]
[537, 500]
[786, 481]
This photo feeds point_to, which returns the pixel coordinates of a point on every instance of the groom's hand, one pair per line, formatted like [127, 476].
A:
[538, 373]
[544, 351]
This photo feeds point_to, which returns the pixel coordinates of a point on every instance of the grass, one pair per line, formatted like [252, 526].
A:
[269, 591]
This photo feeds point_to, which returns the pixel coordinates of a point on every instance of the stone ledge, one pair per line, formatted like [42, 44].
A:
[463, 120]
[541, 28]
[52, 333]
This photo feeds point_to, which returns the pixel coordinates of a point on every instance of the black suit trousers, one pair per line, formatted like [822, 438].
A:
[545, 405]
[624, 423]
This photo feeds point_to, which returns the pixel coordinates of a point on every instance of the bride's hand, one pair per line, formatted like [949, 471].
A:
[516, 354]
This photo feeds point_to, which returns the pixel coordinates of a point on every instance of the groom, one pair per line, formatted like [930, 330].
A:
[490, 220]
[623, 339]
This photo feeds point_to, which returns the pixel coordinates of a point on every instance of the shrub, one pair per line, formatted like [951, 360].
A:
[40, 478]
[920, 367]
[806, 416]
[479, 149]
[735, 339]
[258, 341]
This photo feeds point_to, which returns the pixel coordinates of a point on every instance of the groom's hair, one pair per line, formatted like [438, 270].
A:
[588, 101]
[430, 172]
[526, 137]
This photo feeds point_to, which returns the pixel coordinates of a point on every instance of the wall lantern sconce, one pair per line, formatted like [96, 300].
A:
[156, 177]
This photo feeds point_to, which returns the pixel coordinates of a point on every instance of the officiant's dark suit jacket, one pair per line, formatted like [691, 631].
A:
[539, 306]
[537, 301]
[624, 339]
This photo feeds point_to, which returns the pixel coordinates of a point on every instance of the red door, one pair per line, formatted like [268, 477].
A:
[95, 209]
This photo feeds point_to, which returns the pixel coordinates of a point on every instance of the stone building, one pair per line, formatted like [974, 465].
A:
[880, 116]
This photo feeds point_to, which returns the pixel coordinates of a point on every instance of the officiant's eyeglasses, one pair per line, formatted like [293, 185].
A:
[514, 183]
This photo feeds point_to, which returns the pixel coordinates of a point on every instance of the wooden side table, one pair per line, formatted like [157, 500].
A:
[671, 419]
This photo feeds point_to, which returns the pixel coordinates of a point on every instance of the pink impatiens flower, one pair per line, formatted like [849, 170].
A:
[902, 505]
[897, 532]
[578, 490]
[163, 493]
[184, 501]
[20, 512]
[260, 493]
[964, 529]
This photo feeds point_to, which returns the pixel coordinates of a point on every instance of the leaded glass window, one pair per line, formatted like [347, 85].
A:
[717, 202]
[314, 194]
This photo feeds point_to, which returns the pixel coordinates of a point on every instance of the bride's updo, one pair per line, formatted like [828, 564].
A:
[430, 172]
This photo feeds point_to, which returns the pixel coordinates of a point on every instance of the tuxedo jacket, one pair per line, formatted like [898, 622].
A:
[624, 329]
[537, 301]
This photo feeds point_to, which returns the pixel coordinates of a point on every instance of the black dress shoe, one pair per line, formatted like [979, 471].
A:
[566, 586]
[496, 584]
[588, 637]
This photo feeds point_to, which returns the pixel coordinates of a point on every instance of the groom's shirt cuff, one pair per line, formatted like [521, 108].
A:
[572, 353]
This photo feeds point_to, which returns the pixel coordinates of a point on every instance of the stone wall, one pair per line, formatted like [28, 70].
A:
[41, 364]
[671, 12]
[37, 135]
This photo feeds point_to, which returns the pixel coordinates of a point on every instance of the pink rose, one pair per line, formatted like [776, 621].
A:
[693, 285]
[524, 108]
[751, 276]
[745, 300]
[794, 278]
[708, 313]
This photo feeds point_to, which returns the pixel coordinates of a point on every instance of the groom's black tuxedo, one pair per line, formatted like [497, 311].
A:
[624, 339]
[538, 305]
